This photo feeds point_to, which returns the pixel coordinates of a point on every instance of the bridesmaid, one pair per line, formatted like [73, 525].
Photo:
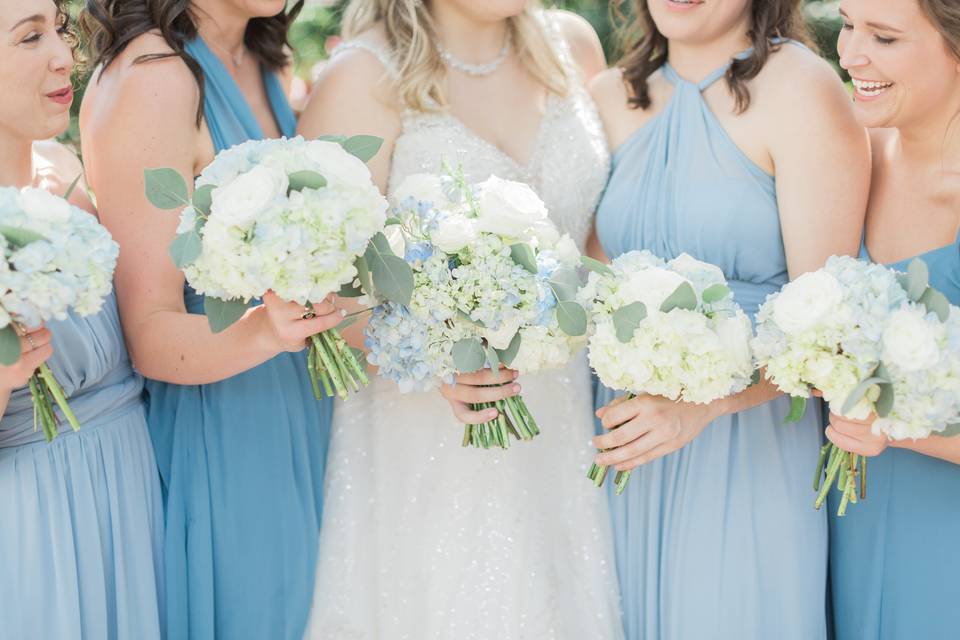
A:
[717, 155]
[240, 440]
[81, 518]
[894, 564]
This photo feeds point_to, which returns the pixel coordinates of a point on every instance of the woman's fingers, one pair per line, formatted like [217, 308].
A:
[653, 454]
[487, 377]
[620, 412]
[466, 415]
[634, 449]
[474, 395]
[34, 358]
[622, 435]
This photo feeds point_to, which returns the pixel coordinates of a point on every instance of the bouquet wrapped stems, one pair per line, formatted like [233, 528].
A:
[333, 366]
[46, 391]
[598, 473]
[849, 470]
[513, 418]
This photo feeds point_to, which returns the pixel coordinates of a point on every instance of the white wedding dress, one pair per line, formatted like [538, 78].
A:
[425, 540]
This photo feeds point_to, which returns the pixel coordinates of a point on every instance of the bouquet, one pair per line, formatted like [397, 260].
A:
[491, 283]
[872, 341]
[57, 257]
[669, 329]
[290, 216]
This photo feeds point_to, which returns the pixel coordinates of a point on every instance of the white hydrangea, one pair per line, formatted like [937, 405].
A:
[696, 355]
[70, 266]
[261, 236]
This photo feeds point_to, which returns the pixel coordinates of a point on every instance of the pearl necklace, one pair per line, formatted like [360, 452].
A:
[484, 69]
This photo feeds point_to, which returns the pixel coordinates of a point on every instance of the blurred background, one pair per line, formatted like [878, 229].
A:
[317, 28]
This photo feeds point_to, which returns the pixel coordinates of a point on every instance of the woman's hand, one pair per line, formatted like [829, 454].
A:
[477, 387]
[646, 428]
[856, 436]
[290, 323]
[35, 349]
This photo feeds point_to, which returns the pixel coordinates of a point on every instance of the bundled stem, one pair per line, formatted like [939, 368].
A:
[598, 473]
[46, 391]
[513, 419]
[333, 366]
[848, 470]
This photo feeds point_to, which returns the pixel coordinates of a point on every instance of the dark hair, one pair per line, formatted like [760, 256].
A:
[945, 16]
[645, 48]
[110, 25]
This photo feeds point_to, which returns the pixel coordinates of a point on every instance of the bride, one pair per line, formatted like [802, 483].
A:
[423, 539]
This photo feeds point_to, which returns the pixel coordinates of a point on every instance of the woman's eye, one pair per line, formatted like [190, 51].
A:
[34, 36]
[884, 41]
[846, 26]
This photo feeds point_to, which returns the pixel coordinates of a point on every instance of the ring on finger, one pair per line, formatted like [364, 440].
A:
[309, 314]
[33, 345]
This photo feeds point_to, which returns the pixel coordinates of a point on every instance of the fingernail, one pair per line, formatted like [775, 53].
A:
[343, 313]
[515, 375]
[515, 388]
[493, 413]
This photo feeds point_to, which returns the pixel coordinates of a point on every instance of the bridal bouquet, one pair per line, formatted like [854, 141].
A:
[872, 341]
[491, 283]
[291, 216]
[669, 329]
[57, 257]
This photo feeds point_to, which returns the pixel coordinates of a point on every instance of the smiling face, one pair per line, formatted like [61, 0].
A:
[698, 20]
[34, 69]
[901, 67]
[488, 10]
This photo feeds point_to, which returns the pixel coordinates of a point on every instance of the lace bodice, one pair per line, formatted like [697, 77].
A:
[570, 160]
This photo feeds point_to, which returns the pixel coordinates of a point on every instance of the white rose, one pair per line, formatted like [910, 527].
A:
[806, 302]
[424, 187]
[453, 233]
[336, 165]
[501, 338]
[909, 342]
[690, 267]
[239, 202]
[509, 208]
[568, 252]
[40, 204]
[649, 286]
[734, 334]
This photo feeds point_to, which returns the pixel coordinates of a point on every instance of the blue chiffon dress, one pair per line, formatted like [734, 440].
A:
[81, 518]
[242, 460]
[719, 539]
[894, 560]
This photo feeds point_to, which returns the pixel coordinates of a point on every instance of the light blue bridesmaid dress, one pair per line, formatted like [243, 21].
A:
[894, 558]
[719, 539]
[242, 460]
[81, 518]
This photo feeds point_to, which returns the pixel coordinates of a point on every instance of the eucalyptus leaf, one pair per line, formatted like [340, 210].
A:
[203, 199]
[859, 391]
[755, 377]
[392, 276]
[363, 275]
[904, 281]
[346, 323]
[951, 431]
[165, 188]
[332, 138]
[363, 147]
[350, 290]
[523, 255]
[493, 361]
[684, 297]
[391, 221]
[798, 407]
[186, 248]
[715, 293]
[565, 283]
[919, 279]
[507, 355]
[18, 237]
[626, 319]
[223, 313]
[884, 403]
[572, 318]
[9, 346]
[301, 180]
[465, 317]
[596, 266]
[936, 302]
[468, 355]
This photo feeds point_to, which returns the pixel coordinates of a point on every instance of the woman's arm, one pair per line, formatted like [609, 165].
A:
[142, 117]
[34, 351]
[856, 436]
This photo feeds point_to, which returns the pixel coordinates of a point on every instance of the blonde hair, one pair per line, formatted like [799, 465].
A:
[412, 37]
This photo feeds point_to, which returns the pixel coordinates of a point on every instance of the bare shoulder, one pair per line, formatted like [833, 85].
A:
[608, 90]
[56, 160]
[797, 81]
[357, 72]
[583, 41]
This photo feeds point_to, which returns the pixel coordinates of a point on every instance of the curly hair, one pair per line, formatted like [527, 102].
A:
[645, 48]
[110, 25]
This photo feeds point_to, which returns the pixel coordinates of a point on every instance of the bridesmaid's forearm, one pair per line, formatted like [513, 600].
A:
[180, 348]
[753, 396]
[935, 446]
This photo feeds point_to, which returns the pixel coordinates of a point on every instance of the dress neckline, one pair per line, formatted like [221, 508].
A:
[950, 245]
[236, 96]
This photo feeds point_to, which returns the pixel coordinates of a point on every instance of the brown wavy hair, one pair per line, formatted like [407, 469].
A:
[110, 25]
[645, 48]
[945, 16]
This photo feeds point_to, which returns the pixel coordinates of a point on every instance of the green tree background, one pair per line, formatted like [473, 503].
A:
[320, 19]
